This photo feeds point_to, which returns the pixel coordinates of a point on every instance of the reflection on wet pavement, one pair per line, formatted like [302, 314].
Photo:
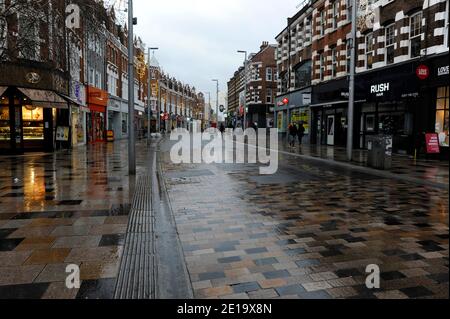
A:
[308, 232]
[58, 209]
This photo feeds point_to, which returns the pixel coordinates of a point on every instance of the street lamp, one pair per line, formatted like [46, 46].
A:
[131, 140]
[217, 102]
[351, 99]
[245, 87]
[149, 96]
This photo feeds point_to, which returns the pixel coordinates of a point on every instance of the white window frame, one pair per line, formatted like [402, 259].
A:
[269, 74]
[368, 52]
[412, 34]
[334, 62]
[336, 13]
[322, 66]
[269, 96]
[323, 21]
[389, 44]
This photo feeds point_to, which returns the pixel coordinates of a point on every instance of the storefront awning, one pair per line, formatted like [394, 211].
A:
[45, 99]
[74, 102]
[2, 90]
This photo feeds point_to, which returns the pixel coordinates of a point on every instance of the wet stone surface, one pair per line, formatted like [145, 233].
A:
[308, 232]
[60, 209]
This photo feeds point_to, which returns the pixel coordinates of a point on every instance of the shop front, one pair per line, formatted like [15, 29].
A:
[96, 119]
[330, 113]
[78, 113]
[406, 101]
[294, 107]
[29, 119]
[438, 92]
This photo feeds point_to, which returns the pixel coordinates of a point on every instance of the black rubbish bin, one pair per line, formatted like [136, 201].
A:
[380, 152]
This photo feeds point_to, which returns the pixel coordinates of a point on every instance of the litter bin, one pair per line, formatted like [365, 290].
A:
[380, 152]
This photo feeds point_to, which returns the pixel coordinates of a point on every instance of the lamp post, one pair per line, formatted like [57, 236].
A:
[131, 141]
[351, 106]
[149, 96]
[217, 102]
[245, 88]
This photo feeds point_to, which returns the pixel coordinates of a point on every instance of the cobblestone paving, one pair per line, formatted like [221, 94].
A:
[307, 232]
[60, 209]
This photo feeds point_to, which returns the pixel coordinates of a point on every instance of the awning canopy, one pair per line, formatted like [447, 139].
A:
[45, 99]
[2, 90]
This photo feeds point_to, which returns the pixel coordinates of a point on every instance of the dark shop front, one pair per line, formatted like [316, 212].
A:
[401, 101]
[330, 113]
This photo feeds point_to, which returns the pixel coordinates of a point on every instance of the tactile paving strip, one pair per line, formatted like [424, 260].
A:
[136, 278]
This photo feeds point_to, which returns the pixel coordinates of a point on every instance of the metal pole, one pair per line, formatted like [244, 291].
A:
[149, 96]
[217, 104]
[245, 90]
[351, 105]
[158, 109]
[131, 141]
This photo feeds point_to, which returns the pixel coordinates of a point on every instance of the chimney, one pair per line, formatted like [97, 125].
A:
[264, 45]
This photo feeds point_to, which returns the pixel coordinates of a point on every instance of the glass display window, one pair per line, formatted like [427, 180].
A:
[442, 115]
[5, 128]
[33, 123]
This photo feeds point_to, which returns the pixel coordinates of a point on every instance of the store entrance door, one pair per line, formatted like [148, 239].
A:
[331, 124]
[96, 127]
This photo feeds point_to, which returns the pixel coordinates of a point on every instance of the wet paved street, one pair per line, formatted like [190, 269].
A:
[307, 232]
[60, 209]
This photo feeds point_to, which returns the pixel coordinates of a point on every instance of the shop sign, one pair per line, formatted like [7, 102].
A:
[110, 136]
[380, 89]
[444, 70]
[62, 134]
[33, 78]
[423, 72]
[306, 98]
[432, 141]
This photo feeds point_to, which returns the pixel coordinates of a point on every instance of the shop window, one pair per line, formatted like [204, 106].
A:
[369, 50]
[442, 115]
[390, 44]
[415, 35]
[124, 123]
[5, 133]
[33, 123]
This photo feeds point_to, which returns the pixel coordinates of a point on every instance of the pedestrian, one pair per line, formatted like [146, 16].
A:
[292, 134]
[301, 133]
[222, 129]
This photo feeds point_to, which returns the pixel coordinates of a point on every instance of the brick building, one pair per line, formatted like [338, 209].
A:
[261, 82]
[34, 75]
[261, 86]
[402, 71]
[236, 96]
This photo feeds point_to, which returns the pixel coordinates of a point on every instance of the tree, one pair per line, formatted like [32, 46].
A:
[24, 23]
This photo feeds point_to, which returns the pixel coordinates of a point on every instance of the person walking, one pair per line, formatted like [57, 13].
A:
[301, 133]
[292, 134]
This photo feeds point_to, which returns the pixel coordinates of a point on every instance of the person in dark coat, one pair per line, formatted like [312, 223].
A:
[292, 134]
[301, 132]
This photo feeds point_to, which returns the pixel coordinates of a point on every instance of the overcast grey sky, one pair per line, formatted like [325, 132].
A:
[198, 39]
